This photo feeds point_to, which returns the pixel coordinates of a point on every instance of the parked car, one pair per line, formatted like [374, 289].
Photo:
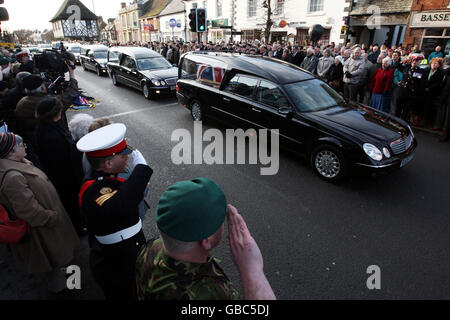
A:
[57, 44]
[94, 57]
[75, 49]
[44, 46]
[142, 69]
[312, 118]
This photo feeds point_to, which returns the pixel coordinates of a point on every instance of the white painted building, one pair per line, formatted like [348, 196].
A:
[175, 12]
[299, 16]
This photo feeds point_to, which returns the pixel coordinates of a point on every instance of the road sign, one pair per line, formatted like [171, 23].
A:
[178, 25]
[173, 23]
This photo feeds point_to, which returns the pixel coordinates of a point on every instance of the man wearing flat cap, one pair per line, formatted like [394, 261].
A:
[178, 266]
[110, 208]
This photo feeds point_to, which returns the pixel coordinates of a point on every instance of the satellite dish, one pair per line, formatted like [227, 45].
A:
[4, 16]
[315, 32]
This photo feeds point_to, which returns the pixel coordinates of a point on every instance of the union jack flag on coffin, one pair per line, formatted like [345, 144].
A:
[210, 74]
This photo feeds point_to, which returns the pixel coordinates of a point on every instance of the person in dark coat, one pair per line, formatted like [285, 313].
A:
[59, 157]
[335, 74]
[432, 87]
[10, 101]
[445, 100]
[297, 56]
[412, 82]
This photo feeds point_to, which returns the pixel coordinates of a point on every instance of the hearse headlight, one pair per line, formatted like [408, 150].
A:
[373, 152]
[386, 152]
[156, 83]
[163, 83]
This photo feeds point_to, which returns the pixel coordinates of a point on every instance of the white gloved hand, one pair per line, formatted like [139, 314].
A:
[138, 158]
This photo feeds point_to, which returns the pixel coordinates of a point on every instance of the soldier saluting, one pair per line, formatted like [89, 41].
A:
[110, 207]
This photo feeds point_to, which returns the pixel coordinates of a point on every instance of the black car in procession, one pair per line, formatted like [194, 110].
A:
[142, 69]
[94, 58]
[312, 118]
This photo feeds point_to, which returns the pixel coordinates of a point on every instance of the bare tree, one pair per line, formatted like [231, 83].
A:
[267, 5]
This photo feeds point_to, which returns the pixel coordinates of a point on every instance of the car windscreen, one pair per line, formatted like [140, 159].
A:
[75, 49]
[153, 63]
[100, 54]
[312, 95]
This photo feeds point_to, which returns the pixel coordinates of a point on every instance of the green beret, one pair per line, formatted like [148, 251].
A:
[191, 211]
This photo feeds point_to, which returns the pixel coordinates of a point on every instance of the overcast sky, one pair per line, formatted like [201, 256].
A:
[35, 14]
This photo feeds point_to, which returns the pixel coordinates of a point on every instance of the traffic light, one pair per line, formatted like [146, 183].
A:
[201, 20]
[193, 20]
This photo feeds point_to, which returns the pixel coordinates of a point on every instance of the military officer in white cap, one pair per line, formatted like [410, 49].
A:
[110, 208]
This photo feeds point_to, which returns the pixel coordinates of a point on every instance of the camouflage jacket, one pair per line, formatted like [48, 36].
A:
[160, 277]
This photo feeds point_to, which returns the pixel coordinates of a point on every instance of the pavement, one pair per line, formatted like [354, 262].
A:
[318, 239]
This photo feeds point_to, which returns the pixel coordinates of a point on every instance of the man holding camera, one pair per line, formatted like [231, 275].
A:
[36, 91]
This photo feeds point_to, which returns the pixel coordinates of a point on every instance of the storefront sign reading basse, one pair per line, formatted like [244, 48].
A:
[431, 20]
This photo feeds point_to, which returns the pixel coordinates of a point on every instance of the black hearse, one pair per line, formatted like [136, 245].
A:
[93, 57]
[312, 118]
[142, 69]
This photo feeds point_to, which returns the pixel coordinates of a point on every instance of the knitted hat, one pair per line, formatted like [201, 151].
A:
[191, 211]
[32, 82]
[7, 141]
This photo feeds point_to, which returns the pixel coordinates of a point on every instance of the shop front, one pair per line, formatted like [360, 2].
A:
[430, 29]
[216, 33]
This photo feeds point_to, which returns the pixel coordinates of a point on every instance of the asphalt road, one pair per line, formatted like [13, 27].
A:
[317, 239]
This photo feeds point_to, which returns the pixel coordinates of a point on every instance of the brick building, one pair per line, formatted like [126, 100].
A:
[429, 25]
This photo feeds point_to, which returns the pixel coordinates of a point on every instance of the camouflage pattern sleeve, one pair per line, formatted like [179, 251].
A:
[159, 277]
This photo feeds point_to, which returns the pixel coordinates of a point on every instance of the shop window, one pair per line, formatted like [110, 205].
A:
[434, 32]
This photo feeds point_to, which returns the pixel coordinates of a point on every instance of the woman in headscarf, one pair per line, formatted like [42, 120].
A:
[27, 194]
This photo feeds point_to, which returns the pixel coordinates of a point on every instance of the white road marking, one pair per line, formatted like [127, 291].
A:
[140, 110]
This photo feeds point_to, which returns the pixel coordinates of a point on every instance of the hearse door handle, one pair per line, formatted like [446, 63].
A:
[226, 99]
[256, 110]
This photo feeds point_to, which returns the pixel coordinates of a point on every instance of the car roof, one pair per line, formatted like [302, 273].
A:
[137, 52]
[272, 69]
[95, 47]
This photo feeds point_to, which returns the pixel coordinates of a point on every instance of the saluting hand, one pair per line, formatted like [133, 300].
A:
[248, 258]
[244, 250]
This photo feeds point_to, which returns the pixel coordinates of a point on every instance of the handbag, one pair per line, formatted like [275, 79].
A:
[11, 230]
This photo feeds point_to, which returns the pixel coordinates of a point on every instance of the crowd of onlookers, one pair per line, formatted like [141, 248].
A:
[409, 84]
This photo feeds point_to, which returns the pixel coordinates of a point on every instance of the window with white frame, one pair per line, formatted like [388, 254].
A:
[279, 8]
[251, 8]
[219, 8]
[315, 5]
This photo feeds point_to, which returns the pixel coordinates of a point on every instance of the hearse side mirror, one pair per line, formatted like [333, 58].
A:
[285, 111]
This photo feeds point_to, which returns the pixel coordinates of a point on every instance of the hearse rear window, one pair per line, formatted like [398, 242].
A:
[208, 71]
